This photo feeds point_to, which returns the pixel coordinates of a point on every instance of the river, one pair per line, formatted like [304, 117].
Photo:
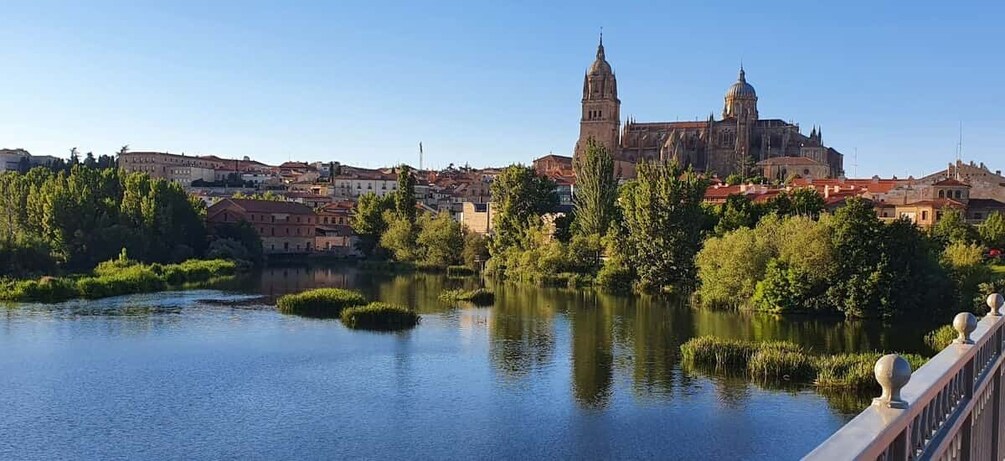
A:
[543, 374]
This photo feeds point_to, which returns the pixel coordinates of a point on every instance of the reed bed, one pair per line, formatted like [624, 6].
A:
[379, 316]
[116, 277]
[320, 303]
[784, 361]
[478, 297]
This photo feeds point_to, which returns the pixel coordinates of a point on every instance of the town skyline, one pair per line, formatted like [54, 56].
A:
[368, 97]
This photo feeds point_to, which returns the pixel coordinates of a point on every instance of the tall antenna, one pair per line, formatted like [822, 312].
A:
[959, 152]
[420, 155]
[854, 165]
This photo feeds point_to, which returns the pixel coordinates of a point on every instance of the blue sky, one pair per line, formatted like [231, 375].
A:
[491, 83]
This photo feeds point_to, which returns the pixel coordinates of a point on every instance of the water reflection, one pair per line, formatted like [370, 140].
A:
[611, 337]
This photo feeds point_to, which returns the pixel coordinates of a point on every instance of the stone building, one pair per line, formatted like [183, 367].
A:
[737, 141]
[285, 227]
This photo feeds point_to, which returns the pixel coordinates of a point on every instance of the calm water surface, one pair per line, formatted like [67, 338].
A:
[545, 373]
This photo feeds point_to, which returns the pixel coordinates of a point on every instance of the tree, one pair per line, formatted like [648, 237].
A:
[953, 227]
[404, 195]
[476, 250]
[965, 265]
[518, 196]
[440, 240]
[664, 218]
[596, 190]
[23, 165]
[992, 231]
[398, 237]
[368, 220]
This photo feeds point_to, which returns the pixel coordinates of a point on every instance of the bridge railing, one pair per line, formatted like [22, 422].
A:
[952, 408]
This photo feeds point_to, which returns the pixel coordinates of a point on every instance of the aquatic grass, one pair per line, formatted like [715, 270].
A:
[780, 360]
[116, 277]
[379, 316]
[780, 364]
[478, 297]
[459, 271]
[709, 351]
[45, 290]
[319, 303]
[855, 370]
[941, 337]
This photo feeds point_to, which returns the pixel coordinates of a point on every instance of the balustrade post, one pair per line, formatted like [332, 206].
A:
[892, 372]
[964, 323]
[995, 302]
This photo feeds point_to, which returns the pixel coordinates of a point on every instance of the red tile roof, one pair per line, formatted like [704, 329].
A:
[266, 206]
[950, 182]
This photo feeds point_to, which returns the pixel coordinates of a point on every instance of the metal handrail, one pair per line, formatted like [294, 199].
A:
[950, 408]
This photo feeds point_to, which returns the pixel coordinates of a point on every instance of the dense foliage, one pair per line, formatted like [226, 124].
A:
[596, 191]
[850, 262]
[116, 277]
[379, 316]
[520, 196]
[319, 303]
[74, 220]
[665, 223]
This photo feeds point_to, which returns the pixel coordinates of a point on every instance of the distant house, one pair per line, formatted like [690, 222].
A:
[285, 227]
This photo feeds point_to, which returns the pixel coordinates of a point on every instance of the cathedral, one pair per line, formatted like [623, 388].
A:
[741, 140]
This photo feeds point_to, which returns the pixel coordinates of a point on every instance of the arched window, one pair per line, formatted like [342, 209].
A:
[942, 194]
[959, 194]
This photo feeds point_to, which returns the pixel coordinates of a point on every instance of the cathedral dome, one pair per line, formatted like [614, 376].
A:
[741, 89]
[600, 65]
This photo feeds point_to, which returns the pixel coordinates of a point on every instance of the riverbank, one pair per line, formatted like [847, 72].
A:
[118, 277]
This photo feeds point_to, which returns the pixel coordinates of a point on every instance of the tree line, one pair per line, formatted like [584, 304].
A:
[69, 221]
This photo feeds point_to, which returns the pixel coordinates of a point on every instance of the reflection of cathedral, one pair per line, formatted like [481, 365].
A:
[739, 140]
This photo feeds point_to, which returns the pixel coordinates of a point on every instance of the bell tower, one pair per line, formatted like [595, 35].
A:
[601, 116]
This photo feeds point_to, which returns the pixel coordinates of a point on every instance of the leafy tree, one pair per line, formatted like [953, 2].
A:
[368, 220]
[238, 240]
[806, 202]
[399, 237]
[992, 231]
[519, 196]
[440, 240]
[404, 196]
[953, 227]
[596, 190]
[967, 270]
[664, 219]
[476, 250]
[737, 212]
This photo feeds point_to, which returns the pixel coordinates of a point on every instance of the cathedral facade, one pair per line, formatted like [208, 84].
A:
[740, 141]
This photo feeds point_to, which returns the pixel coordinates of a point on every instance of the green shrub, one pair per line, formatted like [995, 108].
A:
[479, 297]
[45, 290]
[780, 363]
[135, 279]
[941, 337]
[379, 316]
[319, 303]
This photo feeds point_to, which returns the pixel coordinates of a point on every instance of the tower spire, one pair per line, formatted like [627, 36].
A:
[600, 47]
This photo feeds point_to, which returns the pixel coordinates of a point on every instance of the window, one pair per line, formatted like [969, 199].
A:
[942, 194]
[959, 194]
[924, 216]
[938, 215]
[286, 246]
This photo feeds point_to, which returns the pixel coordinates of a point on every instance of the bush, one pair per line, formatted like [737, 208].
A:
[319, 303]
[379, 316]
[941, 337]
[46, 290]
[479, 297]
[135, 279]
